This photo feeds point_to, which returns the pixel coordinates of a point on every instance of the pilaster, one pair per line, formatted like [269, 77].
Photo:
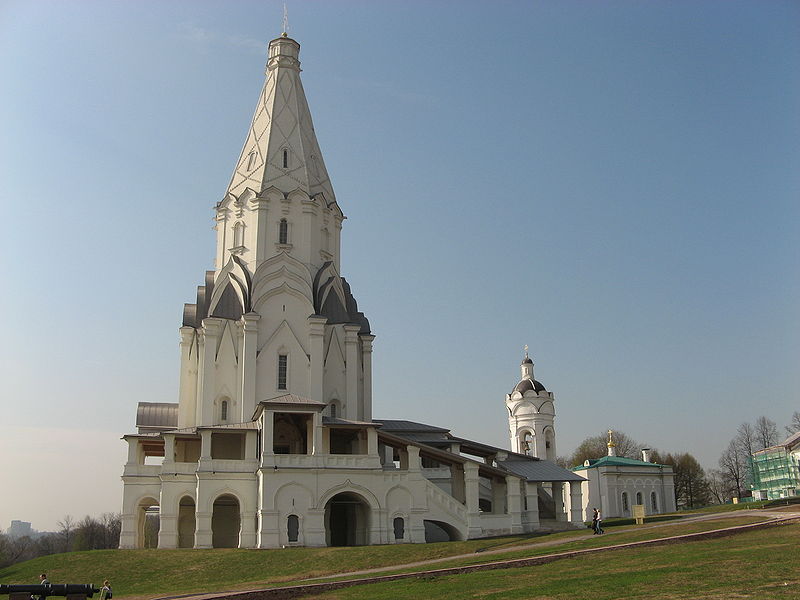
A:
[471, 491]
[248, 362]
[187, 394]
[353, 409]
[316, 324]
[366, 361]
[210, 338]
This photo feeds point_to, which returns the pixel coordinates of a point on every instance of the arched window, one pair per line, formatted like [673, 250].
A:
[238, 234]
[292, 527]
[283, 232]
[624, 502]
[333, 410]
[223, 411]
[283, 368]
[251, 160]
[285, 158]
[653, 501]
[638, 497]
[399, 528]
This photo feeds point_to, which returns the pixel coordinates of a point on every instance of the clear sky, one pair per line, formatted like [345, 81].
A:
[614, 184]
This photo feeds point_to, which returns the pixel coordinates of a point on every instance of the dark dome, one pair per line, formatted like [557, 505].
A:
[527, 361]
[527, 385]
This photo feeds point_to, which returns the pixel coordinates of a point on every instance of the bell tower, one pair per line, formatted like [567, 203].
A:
[531, 415]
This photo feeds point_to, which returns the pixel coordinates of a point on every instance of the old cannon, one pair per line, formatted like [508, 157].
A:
[72, 591]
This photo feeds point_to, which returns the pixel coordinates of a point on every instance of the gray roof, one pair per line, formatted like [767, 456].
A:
[396, 425]
[337, 422]
[157, 415]
[293, 399]
[538, 470]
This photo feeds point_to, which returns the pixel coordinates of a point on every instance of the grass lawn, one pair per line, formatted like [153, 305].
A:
[757, 564]
[149, 573]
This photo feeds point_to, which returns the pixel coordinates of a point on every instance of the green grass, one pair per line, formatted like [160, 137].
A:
[758, 564]
[148, 573]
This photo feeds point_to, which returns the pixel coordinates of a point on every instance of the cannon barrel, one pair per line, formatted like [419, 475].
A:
[50, 589]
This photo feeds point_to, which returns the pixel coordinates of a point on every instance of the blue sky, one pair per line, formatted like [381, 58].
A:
[614, 184]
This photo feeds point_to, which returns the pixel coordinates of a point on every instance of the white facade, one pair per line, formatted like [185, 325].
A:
[614, 484]
[531, 416]
[272, 441]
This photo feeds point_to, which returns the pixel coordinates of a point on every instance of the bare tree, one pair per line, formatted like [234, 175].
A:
[794, 424]
[766, 432]
[734, 464]
[596, 447]
[66, 533]
[746, 438]
[716, 486]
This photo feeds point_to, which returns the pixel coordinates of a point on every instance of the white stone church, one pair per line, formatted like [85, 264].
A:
[272, 441]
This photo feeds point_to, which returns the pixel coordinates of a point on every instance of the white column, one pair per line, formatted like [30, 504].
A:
[366, 359]
[532, 501]
[558, 500]
[267, 438]
[471, 491]
[248, 362]
[258, 207]
[352, 410]
[316, 325]
[187, 394]
[513, 503]
[206, 391]
[317, 445]
[575, 503]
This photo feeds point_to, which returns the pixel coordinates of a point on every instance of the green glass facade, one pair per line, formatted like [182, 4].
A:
[776, 473]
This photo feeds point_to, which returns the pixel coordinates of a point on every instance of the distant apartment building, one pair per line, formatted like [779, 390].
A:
[776, 470]
[19, 529]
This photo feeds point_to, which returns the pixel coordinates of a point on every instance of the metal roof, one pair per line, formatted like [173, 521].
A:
[395, 425]
[538, 470]
[616, 461]
[157, 415]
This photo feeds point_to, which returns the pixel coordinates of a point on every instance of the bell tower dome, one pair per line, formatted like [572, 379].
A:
[531, 415]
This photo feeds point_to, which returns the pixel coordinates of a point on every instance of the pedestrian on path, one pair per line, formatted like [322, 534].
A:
[598, 523]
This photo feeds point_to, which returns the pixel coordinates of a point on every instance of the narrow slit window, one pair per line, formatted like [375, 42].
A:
[223, 411]
[283, 232]
[251, 160]
[333, 410]
[653, 501]
[293, 527]
[283, 363]
[285, 159]
[399, 527]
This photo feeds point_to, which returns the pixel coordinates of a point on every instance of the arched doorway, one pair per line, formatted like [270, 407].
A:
[147, 523]
[225, 522]
[186, 523]
[347, 520]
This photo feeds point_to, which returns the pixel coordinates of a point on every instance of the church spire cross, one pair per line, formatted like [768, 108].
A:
[285, 30]
[526, 351]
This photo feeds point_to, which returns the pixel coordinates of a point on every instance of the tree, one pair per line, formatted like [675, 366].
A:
[691, 487]
[794, 424]
[66, 533]
[734, 465]
[766, 432]
[596, 447]
[716, 486]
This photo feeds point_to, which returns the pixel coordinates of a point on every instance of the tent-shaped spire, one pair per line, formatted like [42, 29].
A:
[281, 149]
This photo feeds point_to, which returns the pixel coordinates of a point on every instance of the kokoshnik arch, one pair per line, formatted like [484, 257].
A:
[272, 441]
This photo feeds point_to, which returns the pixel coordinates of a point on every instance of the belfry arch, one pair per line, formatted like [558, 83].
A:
[186, 522]
[148, 515]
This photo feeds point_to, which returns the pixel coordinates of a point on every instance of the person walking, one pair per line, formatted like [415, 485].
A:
[598, 525]
[105, 591]
[594, 522]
